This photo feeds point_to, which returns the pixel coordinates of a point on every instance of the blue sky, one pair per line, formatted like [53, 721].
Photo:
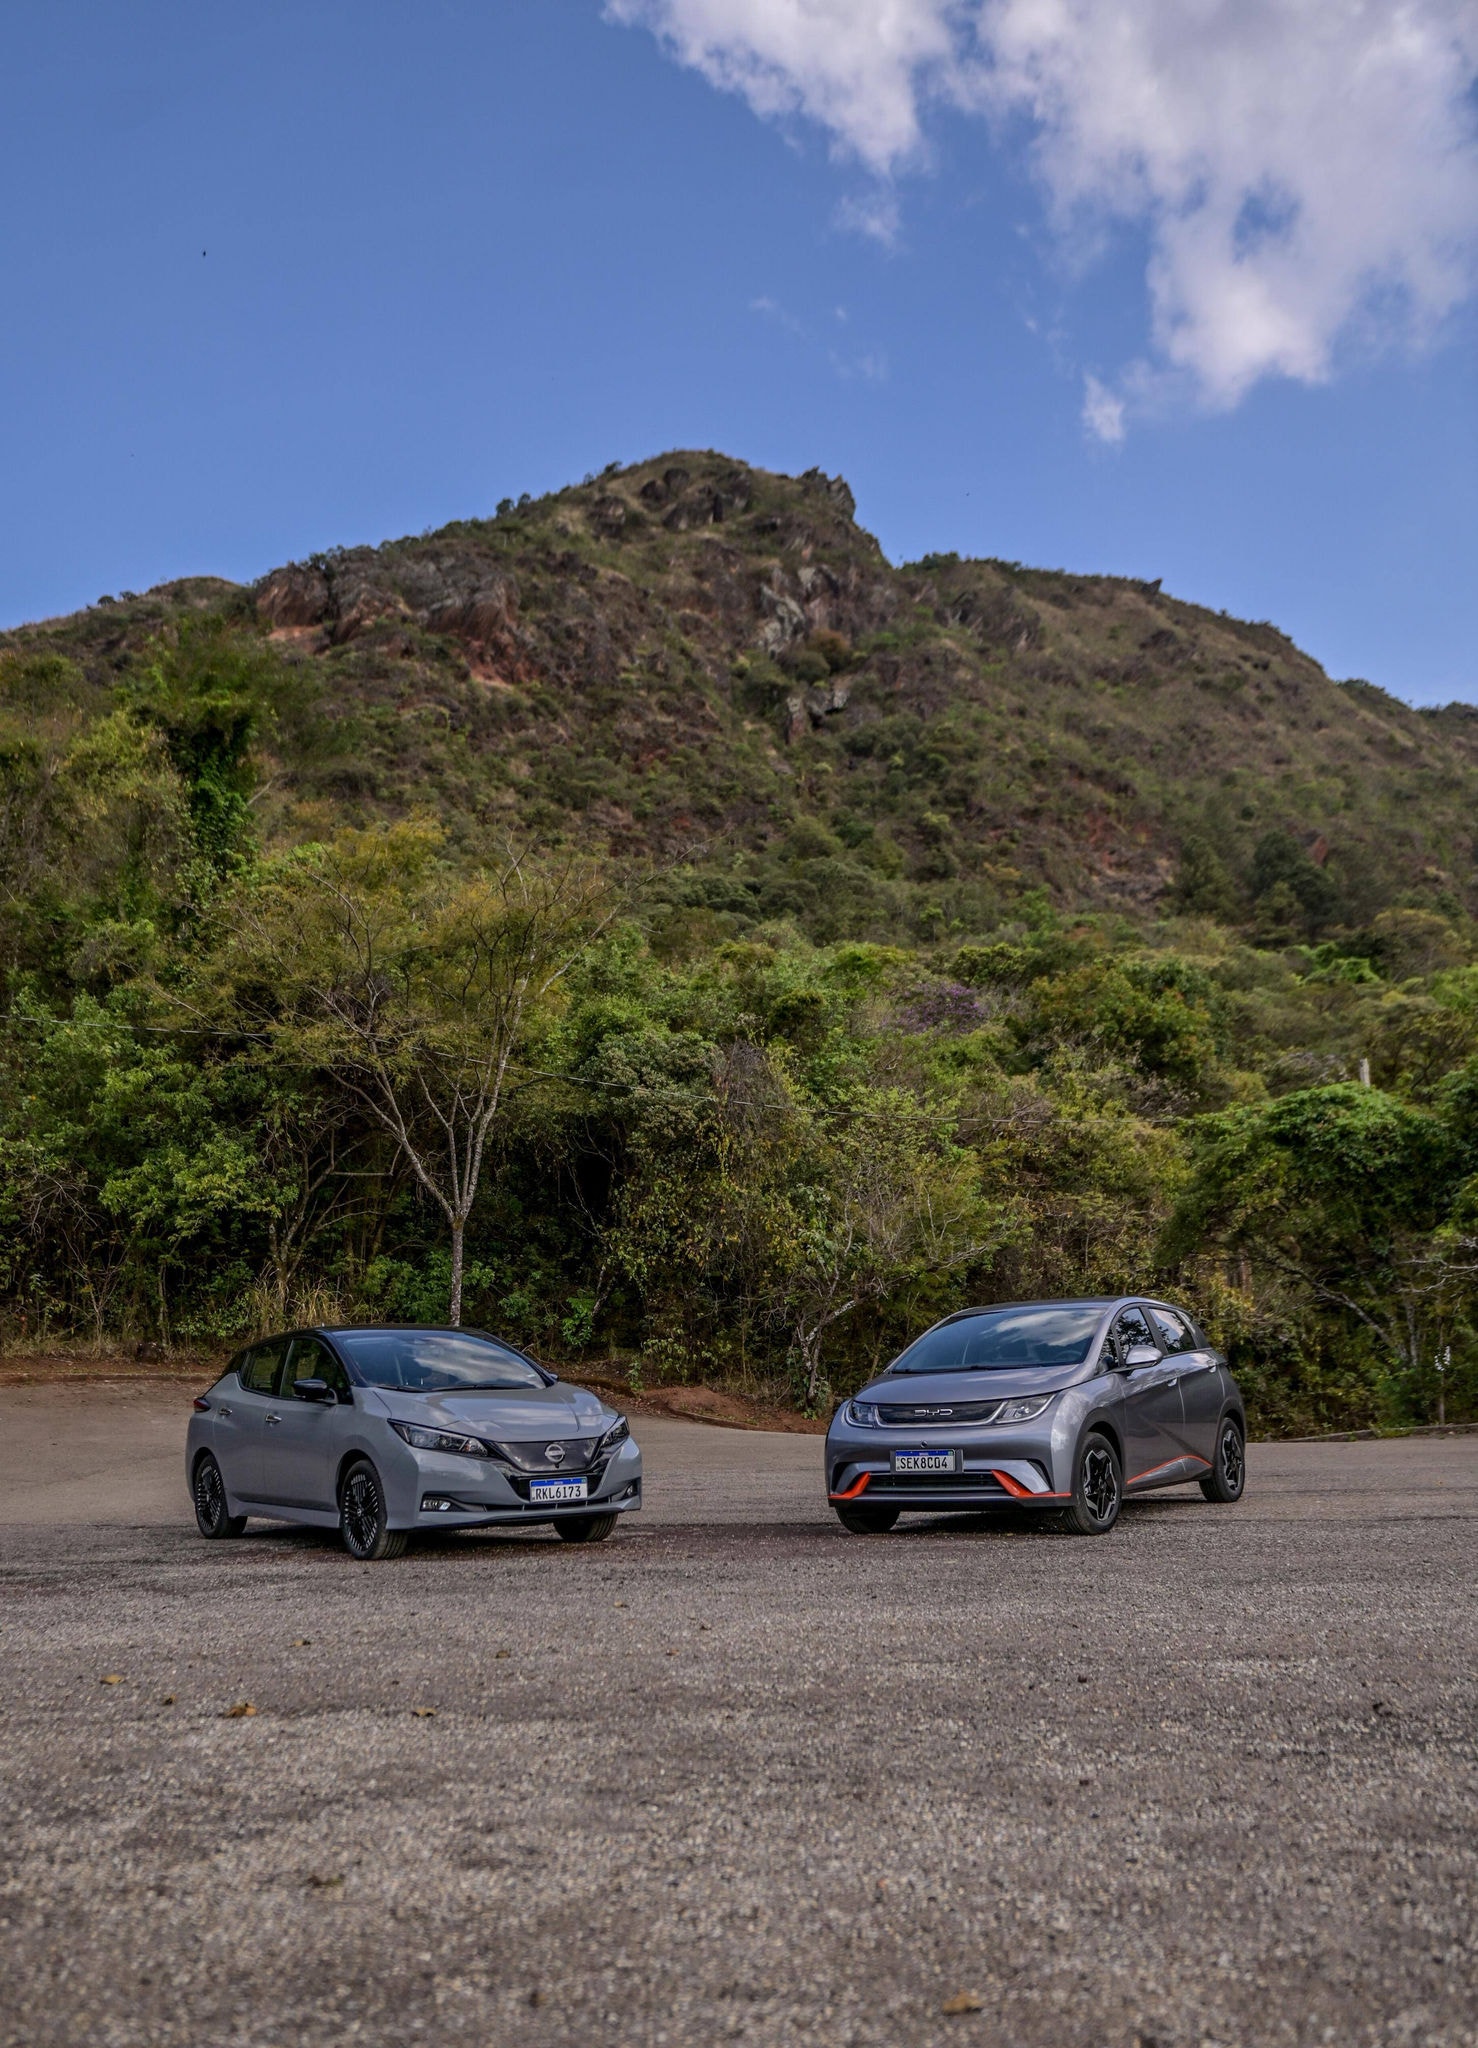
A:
[281, 277]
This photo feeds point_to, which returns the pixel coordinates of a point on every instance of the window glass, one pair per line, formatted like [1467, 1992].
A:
[311, 1360]
[1133, 1330]
[1174, 1333]
[998, 1339]
[259, 1368]
[434, 1361]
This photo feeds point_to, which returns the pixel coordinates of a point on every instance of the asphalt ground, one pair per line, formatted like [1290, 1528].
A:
[735, 1775]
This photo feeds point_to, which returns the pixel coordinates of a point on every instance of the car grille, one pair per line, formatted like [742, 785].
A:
[936, 1482]
[939, 1413]
[591, 1474]
[531, 1457]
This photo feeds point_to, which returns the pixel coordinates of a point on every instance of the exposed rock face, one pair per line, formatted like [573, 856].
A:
[443, 590]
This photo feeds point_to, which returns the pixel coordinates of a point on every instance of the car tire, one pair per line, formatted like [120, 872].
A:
[213, 1516]
[1098, 1487]
[1227, 1479]
[586, 1528]
[869, 1521]
[364, 1518]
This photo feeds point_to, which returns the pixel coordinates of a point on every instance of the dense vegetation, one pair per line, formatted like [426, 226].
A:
[653, 920]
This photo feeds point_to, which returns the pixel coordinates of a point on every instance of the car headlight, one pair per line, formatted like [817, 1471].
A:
[863, 1414]
[618, 1432]
[1023, 1411]
[421, 1439]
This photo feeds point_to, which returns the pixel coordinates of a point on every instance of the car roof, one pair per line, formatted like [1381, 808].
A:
[1055, 1301]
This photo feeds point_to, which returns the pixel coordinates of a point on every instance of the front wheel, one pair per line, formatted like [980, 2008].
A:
[1228, 1474]
[213, 1516]
[1098, 1487]
[586, 1528]
[364, 1518]
[863, 1521]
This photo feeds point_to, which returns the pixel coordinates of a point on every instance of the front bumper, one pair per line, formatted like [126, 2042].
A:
[483, 1490]
[1014, 1469]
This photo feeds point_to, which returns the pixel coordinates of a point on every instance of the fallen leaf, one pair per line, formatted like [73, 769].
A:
[620, 1603]
[111, 1678]
[424, 1713]
[672, 1653]
[242, 1711]
[505, 1653]
[168, 1700]
[301, 1642]
[329, 1883]
[537, 1998]
[963, 2001]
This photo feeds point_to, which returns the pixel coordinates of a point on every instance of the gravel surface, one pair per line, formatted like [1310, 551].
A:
[735, 1775]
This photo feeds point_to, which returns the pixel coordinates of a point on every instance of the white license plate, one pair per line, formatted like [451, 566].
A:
[556, 1489]
[925, 1461]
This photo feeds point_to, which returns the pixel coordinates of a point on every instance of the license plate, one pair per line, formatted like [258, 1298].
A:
[556, 1489]
[925, 1461]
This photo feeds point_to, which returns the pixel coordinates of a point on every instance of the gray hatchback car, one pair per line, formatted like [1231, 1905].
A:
[379, 1432]
[1067, 1405]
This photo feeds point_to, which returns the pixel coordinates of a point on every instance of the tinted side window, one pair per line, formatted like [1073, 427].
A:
[1175, 1334]
[314, 1361]
[1132, 1329]
[259, 1368]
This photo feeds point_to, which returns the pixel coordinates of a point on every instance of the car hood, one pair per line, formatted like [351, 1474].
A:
[947, 1389]
[512, 1416]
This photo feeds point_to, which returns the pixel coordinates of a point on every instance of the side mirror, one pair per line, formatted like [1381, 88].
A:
[1142, 1354]
[313, 1390]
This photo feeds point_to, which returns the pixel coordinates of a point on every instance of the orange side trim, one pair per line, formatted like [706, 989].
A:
[1186, 1458]
[854, 1489]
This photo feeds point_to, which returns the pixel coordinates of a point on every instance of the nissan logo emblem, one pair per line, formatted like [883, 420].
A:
[555, 1453]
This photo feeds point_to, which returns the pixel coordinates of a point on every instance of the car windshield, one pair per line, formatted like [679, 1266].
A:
[1000, 1338]
[434, 1361]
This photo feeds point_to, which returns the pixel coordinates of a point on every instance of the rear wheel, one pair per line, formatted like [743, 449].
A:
[863, 1521]
[1228, 1474]
[364, 1518]
[213, 1516]
[586, 1528]
[1098, 1487]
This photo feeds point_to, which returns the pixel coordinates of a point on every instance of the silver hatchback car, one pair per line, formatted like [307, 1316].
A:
[379, 1432]
[1067, 1405]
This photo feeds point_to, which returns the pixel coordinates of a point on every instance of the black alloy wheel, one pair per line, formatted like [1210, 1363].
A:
[213, 1515]
[1225, 1481]
[1098, 1487]
[363, 1517]
[585, 1528]
[867, 1521]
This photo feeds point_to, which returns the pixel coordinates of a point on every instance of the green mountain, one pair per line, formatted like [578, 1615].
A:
[693, 657]
[997, 932]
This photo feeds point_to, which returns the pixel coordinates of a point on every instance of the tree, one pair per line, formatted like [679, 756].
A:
[891, 1210]
[794, 1212]
[1360, 1199]
[414, 986]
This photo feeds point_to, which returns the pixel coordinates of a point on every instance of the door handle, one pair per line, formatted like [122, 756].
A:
[1173, 1381]
[224, 1410]
[273, 1420]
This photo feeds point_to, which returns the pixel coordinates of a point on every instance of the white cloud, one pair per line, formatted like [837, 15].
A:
[859, 67]
[876, 215]
[1103, 413]
[1305, 169]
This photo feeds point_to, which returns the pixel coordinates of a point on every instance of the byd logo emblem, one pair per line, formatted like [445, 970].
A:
[939, 1414]
[555, 1453]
